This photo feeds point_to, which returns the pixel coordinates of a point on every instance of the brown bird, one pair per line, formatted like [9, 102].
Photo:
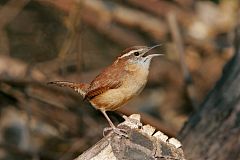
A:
[118, 83]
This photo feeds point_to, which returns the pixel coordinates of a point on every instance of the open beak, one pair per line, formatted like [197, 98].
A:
[151, 55]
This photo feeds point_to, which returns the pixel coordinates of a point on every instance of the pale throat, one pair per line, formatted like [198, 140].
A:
[142, 64]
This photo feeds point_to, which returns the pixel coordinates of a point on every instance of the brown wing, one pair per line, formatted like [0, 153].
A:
[78, 87]
[110, 78]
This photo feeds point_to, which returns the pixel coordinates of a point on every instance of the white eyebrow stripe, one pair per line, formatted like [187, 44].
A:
[129, 53]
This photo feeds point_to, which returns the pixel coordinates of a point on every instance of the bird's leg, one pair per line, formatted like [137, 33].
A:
[116, 130]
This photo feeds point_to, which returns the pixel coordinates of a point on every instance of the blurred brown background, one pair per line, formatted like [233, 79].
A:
[46, 40]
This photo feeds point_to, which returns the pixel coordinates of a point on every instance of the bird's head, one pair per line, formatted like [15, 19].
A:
[138, 55]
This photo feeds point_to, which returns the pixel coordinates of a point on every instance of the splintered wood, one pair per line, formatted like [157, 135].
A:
[142, 143]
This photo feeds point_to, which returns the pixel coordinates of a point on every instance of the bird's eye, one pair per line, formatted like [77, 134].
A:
[136, 53]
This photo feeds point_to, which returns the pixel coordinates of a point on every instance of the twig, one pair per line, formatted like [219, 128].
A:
[126, 16]
[162, 8]
[71, 43]
[109, 18]
[179, 45]
[10, 11]
[7, 13]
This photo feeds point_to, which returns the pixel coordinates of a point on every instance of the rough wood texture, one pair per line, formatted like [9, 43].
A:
[142, 143]
[214, 131]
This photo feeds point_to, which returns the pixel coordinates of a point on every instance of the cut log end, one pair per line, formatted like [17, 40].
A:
[143, 142]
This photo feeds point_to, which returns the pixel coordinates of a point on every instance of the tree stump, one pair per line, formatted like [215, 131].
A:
[213, 132]
[141, 143]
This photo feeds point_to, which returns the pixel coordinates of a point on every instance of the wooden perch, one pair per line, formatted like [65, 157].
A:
[142, 143]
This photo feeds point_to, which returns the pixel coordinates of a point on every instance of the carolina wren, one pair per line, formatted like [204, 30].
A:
[118, 83]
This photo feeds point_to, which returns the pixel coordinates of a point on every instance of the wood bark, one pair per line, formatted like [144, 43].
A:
[141, 143]
[213, 132]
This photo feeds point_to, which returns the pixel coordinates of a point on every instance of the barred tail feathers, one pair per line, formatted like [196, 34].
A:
[78, 87]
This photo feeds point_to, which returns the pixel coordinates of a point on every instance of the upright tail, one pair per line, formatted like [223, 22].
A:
[78, 87]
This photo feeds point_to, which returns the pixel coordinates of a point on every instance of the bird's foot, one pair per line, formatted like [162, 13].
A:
[118, 131]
